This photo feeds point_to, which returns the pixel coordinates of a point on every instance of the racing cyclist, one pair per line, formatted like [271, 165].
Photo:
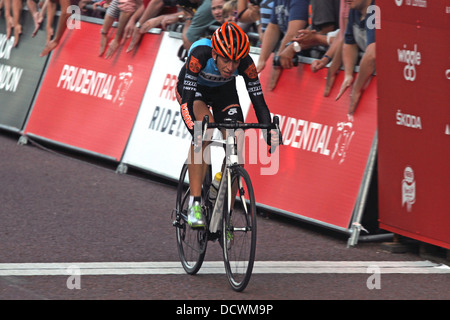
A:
[208, 78]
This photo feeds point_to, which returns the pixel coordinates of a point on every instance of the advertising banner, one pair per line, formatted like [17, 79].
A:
[89, 102]
[325, 152]
[422, 13]
[20, 71]
[160, 141]
[414, 124]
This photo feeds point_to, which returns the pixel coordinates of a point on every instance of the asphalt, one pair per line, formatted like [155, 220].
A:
[61, 206]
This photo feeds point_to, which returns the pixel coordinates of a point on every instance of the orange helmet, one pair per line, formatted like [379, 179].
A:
[230, 41]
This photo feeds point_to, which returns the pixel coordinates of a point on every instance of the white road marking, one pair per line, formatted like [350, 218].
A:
[216, 267]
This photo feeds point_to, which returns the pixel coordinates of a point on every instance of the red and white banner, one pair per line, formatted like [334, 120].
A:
[325, 152]
[414, 120]
[87, 101]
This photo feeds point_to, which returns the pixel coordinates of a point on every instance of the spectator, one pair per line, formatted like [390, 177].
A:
[37, 13]
[324, 19]
[62, 24]
[197, 27]
[265, 10]
[93, 8]
[287, 18]
[248, 14]
[313, 41]
[334, 52]
[124, 9]
[217, 10]
[359, 36]
[229, 11]
[163, 21]
[100, 13]
[13, 20]
[150, 10]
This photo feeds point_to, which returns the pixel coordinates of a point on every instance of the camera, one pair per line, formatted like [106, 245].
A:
[256, 2]
[276, 61]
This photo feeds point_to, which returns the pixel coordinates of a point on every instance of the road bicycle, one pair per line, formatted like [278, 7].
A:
[230, 219]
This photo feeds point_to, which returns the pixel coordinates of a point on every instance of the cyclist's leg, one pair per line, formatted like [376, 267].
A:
[197, 164]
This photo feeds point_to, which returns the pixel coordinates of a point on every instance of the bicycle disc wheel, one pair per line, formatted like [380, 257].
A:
[239, 230]
[191, 242]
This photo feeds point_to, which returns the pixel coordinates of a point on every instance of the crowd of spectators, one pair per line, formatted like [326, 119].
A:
[334, 33]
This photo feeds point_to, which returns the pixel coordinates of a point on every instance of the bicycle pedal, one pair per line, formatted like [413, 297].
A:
[176, 223]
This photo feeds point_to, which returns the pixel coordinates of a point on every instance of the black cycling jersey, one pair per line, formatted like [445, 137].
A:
[199, 79]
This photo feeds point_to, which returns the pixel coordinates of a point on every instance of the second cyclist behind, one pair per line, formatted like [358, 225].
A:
[208, 78]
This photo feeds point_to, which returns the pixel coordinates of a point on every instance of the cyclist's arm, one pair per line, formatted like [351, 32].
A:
[247, 69]
[195, 62]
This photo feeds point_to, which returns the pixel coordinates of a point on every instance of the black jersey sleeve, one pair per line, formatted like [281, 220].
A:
[247, 69]
[195, 62]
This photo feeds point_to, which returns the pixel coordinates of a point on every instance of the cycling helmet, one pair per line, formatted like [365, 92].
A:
[230, 41]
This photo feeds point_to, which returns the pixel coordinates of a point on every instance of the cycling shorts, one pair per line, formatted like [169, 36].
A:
[223, 100]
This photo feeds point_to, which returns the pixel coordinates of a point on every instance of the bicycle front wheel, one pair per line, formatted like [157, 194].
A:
[191, 242]
[239, 229]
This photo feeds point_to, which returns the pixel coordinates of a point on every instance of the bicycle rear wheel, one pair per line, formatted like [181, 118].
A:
[239, 230]
[191, 242]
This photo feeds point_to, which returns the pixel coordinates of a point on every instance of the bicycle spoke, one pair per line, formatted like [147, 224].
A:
[191, 242]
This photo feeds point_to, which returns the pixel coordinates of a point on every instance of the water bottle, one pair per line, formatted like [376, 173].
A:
[215, 187]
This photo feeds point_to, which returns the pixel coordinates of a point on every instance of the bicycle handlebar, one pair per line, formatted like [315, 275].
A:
[239, 125]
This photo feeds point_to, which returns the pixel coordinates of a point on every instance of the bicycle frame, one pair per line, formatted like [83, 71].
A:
[232, 159]
[232, 223]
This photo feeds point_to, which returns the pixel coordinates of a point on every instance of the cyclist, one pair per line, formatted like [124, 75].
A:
[208, 78]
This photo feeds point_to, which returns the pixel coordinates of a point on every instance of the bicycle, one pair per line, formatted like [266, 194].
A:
[231, 218]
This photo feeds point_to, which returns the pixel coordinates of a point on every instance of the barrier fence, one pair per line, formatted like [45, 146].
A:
[414, 119]
[124, 109]
[21, 70]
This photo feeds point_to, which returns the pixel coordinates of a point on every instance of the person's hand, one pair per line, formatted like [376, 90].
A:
[135, 38]
[260, 66]
[306, 37]
[274, 138]
[274, 76]
[128, 31]
[348, 80]
[49, 47]
[331, 77]
[286, 56]
[113, 46]
[38, 18]
[354, 100]
[167, 20]
[50, 32]
[147, 25]
[318, 64]
[9, 26]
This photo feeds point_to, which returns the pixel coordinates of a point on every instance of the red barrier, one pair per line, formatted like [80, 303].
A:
[88, 102]
[324, 158]
[414, 120]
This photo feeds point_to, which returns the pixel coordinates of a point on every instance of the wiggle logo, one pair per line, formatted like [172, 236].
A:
[251, 71]
[194, 65]
[186, 116]
[412, 58]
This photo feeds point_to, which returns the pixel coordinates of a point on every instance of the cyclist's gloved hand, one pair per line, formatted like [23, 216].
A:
[274, 138]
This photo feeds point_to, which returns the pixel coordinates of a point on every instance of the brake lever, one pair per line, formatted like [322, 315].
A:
[276, 122]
